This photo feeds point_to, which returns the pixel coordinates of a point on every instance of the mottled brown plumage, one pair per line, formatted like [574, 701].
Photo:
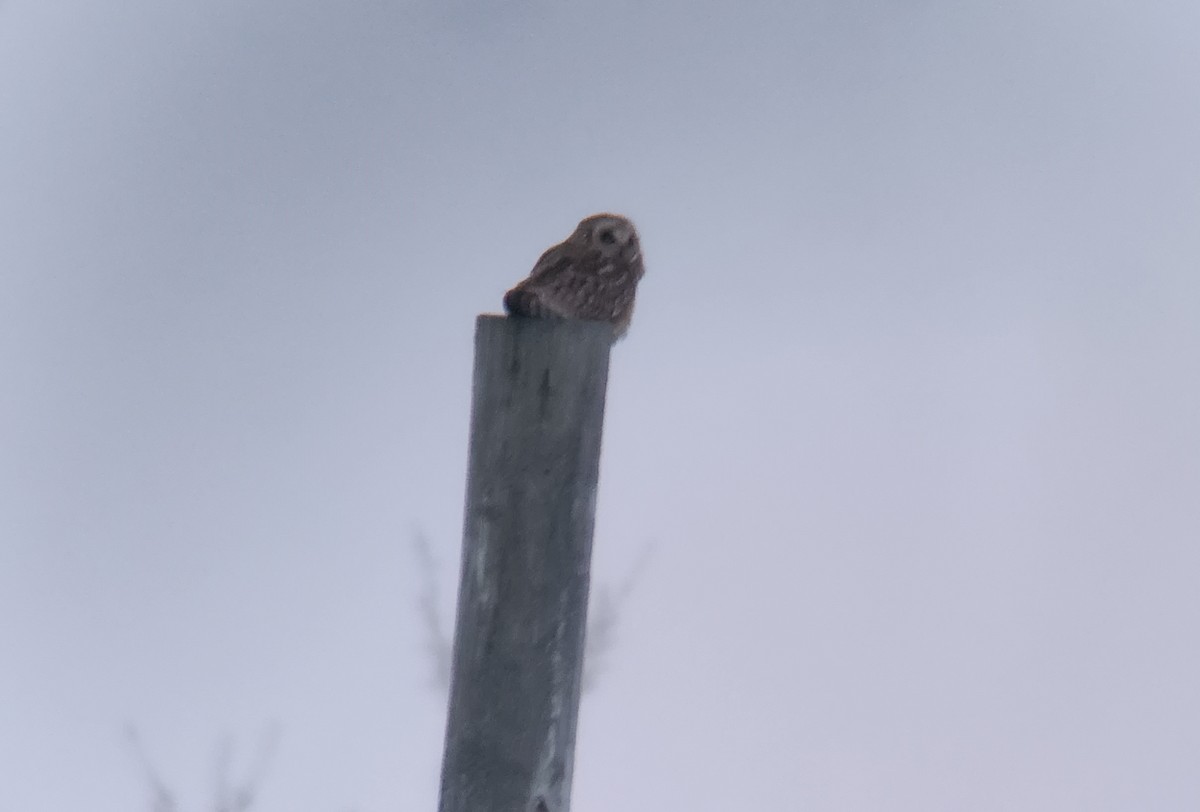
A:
[591, 275]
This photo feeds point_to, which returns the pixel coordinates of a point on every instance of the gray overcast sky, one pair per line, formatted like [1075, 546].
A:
[910, 410]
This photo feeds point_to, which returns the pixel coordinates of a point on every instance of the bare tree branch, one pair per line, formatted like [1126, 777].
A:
[245, 793]
[606, 613]
[437, 639]
[229, 795]
[161, 799]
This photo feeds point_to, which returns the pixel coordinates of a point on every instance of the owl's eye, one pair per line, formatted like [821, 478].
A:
[607, 237]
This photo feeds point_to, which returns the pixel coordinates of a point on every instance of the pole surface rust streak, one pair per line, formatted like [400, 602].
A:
[537, 417]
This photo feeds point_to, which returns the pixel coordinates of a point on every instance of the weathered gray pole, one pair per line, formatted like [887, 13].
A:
[536, 421]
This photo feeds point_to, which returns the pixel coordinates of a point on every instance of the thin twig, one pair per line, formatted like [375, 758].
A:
[437, 641]
[161, 798]
[606, 617]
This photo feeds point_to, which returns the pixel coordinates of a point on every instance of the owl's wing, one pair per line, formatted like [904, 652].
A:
[534, 295]
[522, 301]
[552, 266]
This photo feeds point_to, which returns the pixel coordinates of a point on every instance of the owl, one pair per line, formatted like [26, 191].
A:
[591, 275]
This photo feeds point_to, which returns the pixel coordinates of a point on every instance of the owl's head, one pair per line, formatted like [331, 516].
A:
[610, 234]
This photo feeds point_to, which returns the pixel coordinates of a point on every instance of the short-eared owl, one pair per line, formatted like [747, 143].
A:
[591, 275]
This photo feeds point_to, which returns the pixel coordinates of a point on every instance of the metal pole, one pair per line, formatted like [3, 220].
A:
[536, 422]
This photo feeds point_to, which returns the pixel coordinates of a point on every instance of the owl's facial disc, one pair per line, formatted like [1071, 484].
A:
[612, 236]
